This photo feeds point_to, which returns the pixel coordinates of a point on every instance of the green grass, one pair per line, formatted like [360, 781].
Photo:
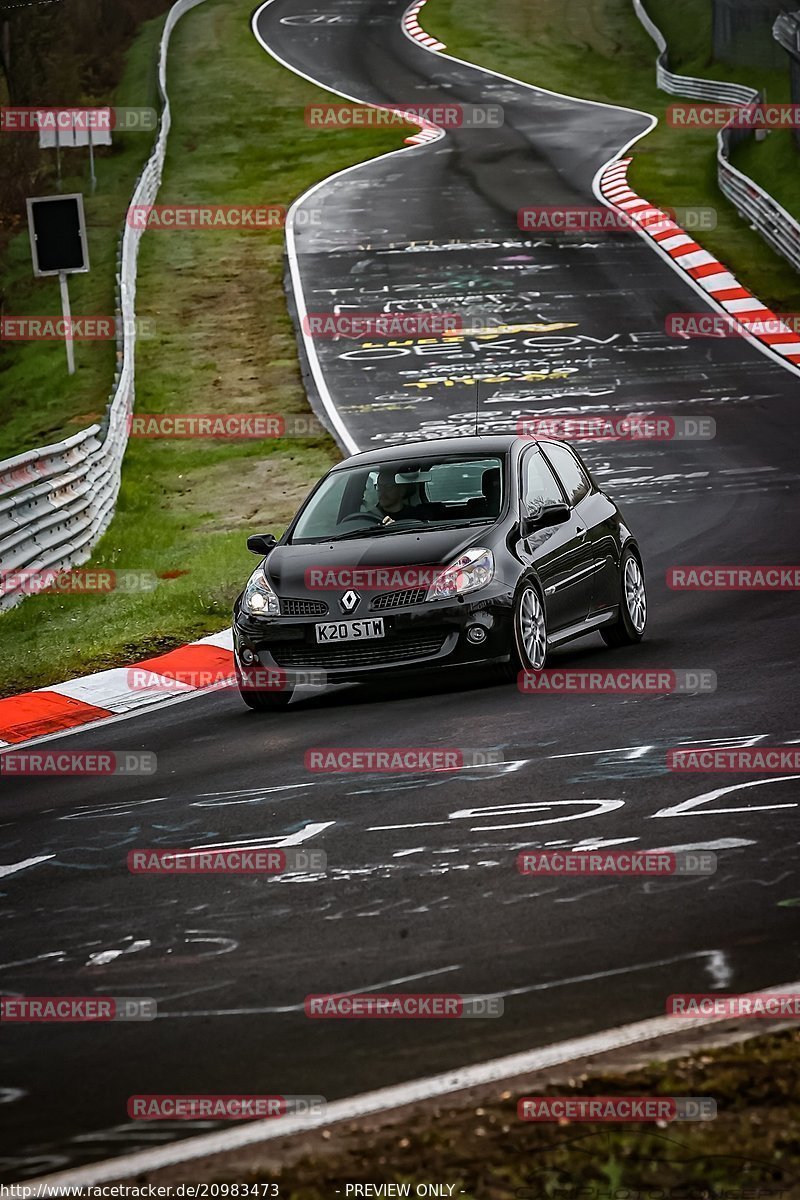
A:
[597, 49]
[686, 25]
[775, 165]
[224, 343]
[749, 1152]
[39, 401]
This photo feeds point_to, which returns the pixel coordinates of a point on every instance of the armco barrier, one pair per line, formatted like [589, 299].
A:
[777, 227]
[57, 501]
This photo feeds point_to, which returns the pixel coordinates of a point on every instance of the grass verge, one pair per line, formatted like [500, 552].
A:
[598, 50]
[749, 1152]
[223, 343]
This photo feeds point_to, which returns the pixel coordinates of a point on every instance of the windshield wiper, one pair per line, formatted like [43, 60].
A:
[355, 533]
[457, 524]
[400, 526]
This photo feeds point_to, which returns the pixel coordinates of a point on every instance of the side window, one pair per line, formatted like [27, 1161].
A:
[570, 472]
[539, 487]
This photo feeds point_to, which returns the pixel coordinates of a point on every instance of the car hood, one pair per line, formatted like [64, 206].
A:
[287, 566]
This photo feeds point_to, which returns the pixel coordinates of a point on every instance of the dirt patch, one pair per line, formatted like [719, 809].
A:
[249, 494]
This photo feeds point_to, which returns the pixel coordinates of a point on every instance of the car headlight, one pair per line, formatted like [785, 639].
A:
[471, 570]
[258, 599]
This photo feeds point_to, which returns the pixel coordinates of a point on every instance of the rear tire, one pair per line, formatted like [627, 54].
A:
[632, 620]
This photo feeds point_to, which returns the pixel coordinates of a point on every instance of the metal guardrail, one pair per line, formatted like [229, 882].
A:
[57, 501]
[761, 210]
[786, 32]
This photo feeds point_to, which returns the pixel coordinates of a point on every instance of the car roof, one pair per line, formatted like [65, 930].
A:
[500, 443]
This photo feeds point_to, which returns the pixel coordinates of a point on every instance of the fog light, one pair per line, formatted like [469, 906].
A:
[247, 656]
[476, 634]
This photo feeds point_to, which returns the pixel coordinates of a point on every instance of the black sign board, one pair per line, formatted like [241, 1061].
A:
[58, 234]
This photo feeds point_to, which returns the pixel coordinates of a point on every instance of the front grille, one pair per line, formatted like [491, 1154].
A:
[399, 599]
[381, 651]
[303, 608]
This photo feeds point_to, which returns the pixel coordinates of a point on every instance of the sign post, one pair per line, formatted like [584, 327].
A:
[62, 279]
[57, 228]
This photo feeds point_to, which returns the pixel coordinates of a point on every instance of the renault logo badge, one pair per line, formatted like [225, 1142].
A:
[349, 602]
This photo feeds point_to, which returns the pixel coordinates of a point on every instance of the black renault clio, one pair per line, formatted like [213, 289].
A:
[445, 553]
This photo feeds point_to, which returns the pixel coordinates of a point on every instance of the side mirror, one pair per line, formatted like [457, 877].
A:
[553, 514]
[548, 515]
[261, 543]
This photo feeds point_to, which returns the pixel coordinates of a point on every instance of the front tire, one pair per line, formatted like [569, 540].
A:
[632, 620]
[266, 701]
[529, 647]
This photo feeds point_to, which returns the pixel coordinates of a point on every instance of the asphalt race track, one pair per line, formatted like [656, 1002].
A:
[421, 892]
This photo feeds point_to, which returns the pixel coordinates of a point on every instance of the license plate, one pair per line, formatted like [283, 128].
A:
[350, 631]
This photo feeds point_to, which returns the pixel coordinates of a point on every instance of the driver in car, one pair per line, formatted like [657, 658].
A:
[394, 501]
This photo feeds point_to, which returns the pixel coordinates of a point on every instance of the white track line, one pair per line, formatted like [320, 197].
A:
[345, 438]
[496, 1070]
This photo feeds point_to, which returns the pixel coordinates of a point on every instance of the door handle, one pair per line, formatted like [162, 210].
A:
[581, 531]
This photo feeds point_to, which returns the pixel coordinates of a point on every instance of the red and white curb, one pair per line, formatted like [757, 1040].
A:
[108, 694]
[428, 133]
[414, 30]
[707, 272]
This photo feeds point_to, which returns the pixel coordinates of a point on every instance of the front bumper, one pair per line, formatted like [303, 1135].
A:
[420, 637]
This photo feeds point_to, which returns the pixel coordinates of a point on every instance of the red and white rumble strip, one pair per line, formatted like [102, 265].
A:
[721, 287]
[689, 256]
[414, 30]
[107, 694]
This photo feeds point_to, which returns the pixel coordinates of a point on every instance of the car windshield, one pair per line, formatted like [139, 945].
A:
[406, 495]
